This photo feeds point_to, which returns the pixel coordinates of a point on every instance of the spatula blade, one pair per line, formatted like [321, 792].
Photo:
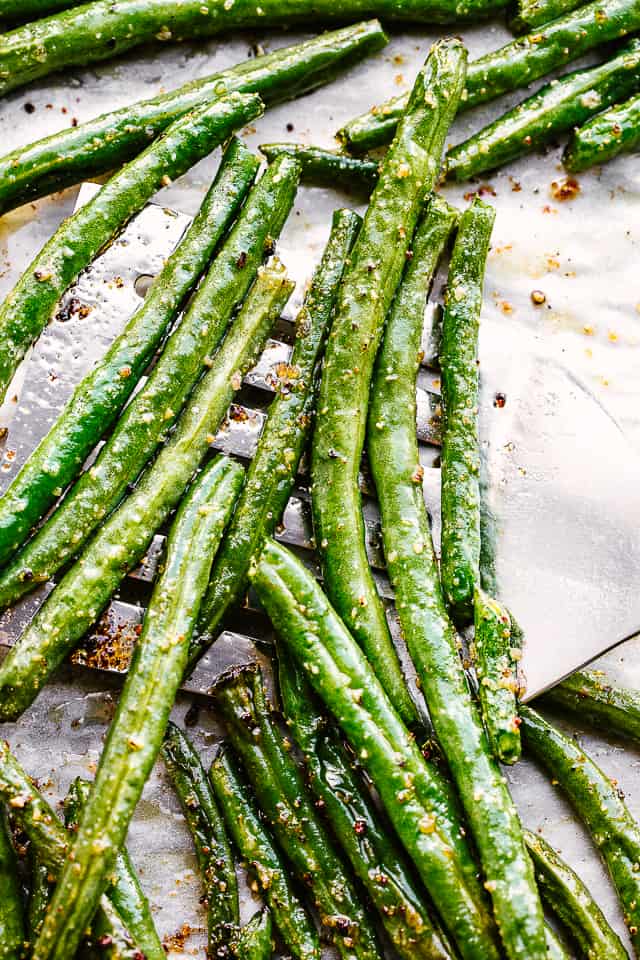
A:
[561, 491]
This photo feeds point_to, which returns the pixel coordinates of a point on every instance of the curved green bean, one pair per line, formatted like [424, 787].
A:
[98, 399]
[559, 106]
[100, 31]
[571, 901]
[599, 805]
[29, 306]
[145, 422]
[416, 803]
[256, 845]
[272, 471]
[406, 176]
[608, 134]
[209, 838]
[122, 541]
[289, 810]
[591, 697]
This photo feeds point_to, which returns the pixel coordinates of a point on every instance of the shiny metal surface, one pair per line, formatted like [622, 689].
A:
[581, 253]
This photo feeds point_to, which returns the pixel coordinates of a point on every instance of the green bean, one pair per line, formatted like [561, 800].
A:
[599, 805]
[430, 636]
[12, 927]
[572, 903]
[255, 844]
[207, 830]
[495, 657]
[375, 128]
[513, 66]
[289, 810]
[460, 443]
[125, 892]
[537, 13]
[325, 168]
[39, 896]
[100, 31]
[559, 106]
[122, 541]
[93, 148]
[418, 807]
[591, 697]
[254, 942]
[28, 308]
[98, 399]
[366, 840]
[608, 134]
[273, 469]
[47, 836]
[406, 176]
[145, 422]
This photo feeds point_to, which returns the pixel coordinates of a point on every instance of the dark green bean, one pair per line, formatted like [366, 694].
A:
[288, 808]
[589, 696]
[567, 896]
[599, 805]
[325, 168]
[210, 839]
[256, 846]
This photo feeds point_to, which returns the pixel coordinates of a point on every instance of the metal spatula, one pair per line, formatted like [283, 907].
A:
[562, 503]
[561, 513]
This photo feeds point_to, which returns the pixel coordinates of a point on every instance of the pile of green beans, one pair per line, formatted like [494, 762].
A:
[103, 143]
[331, 823]
[188, 353]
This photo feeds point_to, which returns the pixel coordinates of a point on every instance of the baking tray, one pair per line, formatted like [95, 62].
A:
[582, 253]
